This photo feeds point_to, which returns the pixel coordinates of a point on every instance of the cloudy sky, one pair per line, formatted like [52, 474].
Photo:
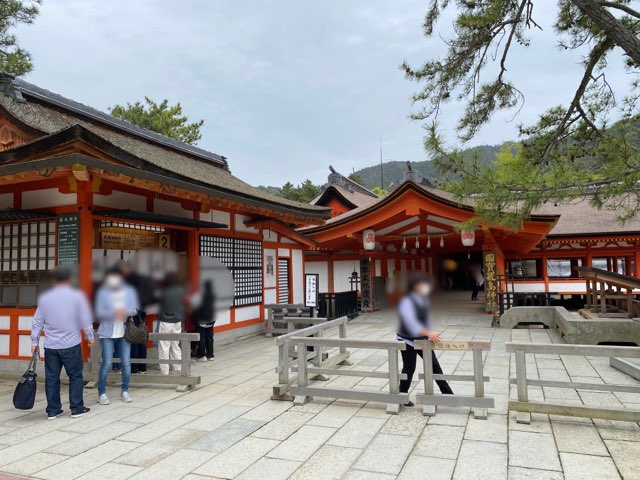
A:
[286, 87]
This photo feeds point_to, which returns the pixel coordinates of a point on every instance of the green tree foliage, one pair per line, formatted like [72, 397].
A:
[381, 192]
[355, 177]
[305, 192]
[161, 118]
[13, 59]
[573, 150]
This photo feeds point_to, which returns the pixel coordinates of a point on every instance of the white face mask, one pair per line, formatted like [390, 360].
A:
[424, 289]
[113, 281]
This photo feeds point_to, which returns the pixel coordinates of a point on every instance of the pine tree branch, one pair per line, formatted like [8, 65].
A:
[624, 8]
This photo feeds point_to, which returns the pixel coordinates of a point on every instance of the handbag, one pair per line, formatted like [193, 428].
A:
[24, 396]
[135, 330]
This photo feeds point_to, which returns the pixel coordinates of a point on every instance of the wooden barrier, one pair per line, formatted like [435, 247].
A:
[287, 352]
[185, 380]
[525, 408]
[430, 400]
[276, 315]
[304, 393]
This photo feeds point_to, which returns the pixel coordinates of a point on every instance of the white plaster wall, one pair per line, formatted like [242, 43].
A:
[223, 318]
[167, 207]
[5, 322]
[284, 252]
[6, 200]
[24, 345]
[528, 287]
[121, 200]
[391, 266]
[378, 267]
[269, 236]
[216, 216]
[4, 344]
[321, 268]
[403, 265]
[297, 276]
[287, 240]
[24, 322]
[241, 227]
[49, 197]
[572, 287]
[247, 313]
[342, 270]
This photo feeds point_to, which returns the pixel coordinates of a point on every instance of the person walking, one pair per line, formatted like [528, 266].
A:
[63, 311]
[170, 319]
[204, 318]
[415, 324]
[115, 302]
[478, 279]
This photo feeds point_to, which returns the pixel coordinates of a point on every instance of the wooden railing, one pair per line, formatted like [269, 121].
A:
[611, 294]
[525, 408]
[304, 393]
[185, 380]
[523, 299]
[339, 304]
[430, 400]
[321, 359]
[276, 325]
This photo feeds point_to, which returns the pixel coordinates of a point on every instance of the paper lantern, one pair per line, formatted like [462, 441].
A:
[369, 239]
[468, 238]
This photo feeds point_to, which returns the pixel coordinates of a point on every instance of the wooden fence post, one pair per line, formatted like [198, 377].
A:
[394, 380]
[478, 412]
[523, 394]
[303, 379]
[427, 363]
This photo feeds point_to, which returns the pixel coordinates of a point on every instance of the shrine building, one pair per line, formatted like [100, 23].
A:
[78, 186]
[375, 242]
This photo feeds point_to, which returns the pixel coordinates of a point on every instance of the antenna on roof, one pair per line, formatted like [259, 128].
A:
[381, 169]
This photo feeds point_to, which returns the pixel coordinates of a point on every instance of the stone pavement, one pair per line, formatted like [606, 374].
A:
[229, 428]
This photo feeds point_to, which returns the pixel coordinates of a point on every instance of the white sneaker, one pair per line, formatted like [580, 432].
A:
[103, 399]
[202, 359]
[125, 397]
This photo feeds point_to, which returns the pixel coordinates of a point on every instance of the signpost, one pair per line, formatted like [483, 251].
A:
[69, 242]
[311, 290]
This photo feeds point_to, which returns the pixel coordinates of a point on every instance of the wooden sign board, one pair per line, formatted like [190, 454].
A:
[456, 345]
[311, 290]
[68, 239]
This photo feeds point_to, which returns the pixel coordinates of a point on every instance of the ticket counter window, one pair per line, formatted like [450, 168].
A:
[27, 254]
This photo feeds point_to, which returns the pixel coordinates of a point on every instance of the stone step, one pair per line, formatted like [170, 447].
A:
[630, 366]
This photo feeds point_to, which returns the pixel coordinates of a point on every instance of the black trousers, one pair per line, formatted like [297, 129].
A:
[474, 294]
[138, 351]
[409, 357]
[205, 345]
[71, 360]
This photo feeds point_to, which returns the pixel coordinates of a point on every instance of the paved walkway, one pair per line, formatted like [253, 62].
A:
[229, 428]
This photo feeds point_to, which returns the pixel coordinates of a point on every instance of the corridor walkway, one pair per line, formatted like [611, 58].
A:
[229, 428]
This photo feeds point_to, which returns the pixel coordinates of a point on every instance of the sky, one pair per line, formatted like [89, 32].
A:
[285, 87]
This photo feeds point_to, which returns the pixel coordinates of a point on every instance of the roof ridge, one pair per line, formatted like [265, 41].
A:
[362, 189]
[22, 87]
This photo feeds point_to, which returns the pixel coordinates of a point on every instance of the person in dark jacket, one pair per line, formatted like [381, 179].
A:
[204, 318]
[170, 320]
[415, 324]
[144, 287]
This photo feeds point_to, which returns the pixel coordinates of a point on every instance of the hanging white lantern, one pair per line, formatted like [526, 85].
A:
[468, 238]
[441, 241]
[404, 244]
[428, 242]
[369, 239]
[417, 243]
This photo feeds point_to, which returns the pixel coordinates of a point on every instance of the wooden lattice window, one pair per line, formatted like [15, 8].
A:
[27, 253]
[244, 259]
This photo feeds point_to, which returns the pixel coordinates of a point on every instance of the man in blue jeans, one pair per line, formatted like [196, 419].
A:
[62, 312]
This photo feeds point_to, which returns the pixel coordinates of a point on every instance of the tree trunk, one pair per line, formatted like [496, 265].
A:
[612, 27]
